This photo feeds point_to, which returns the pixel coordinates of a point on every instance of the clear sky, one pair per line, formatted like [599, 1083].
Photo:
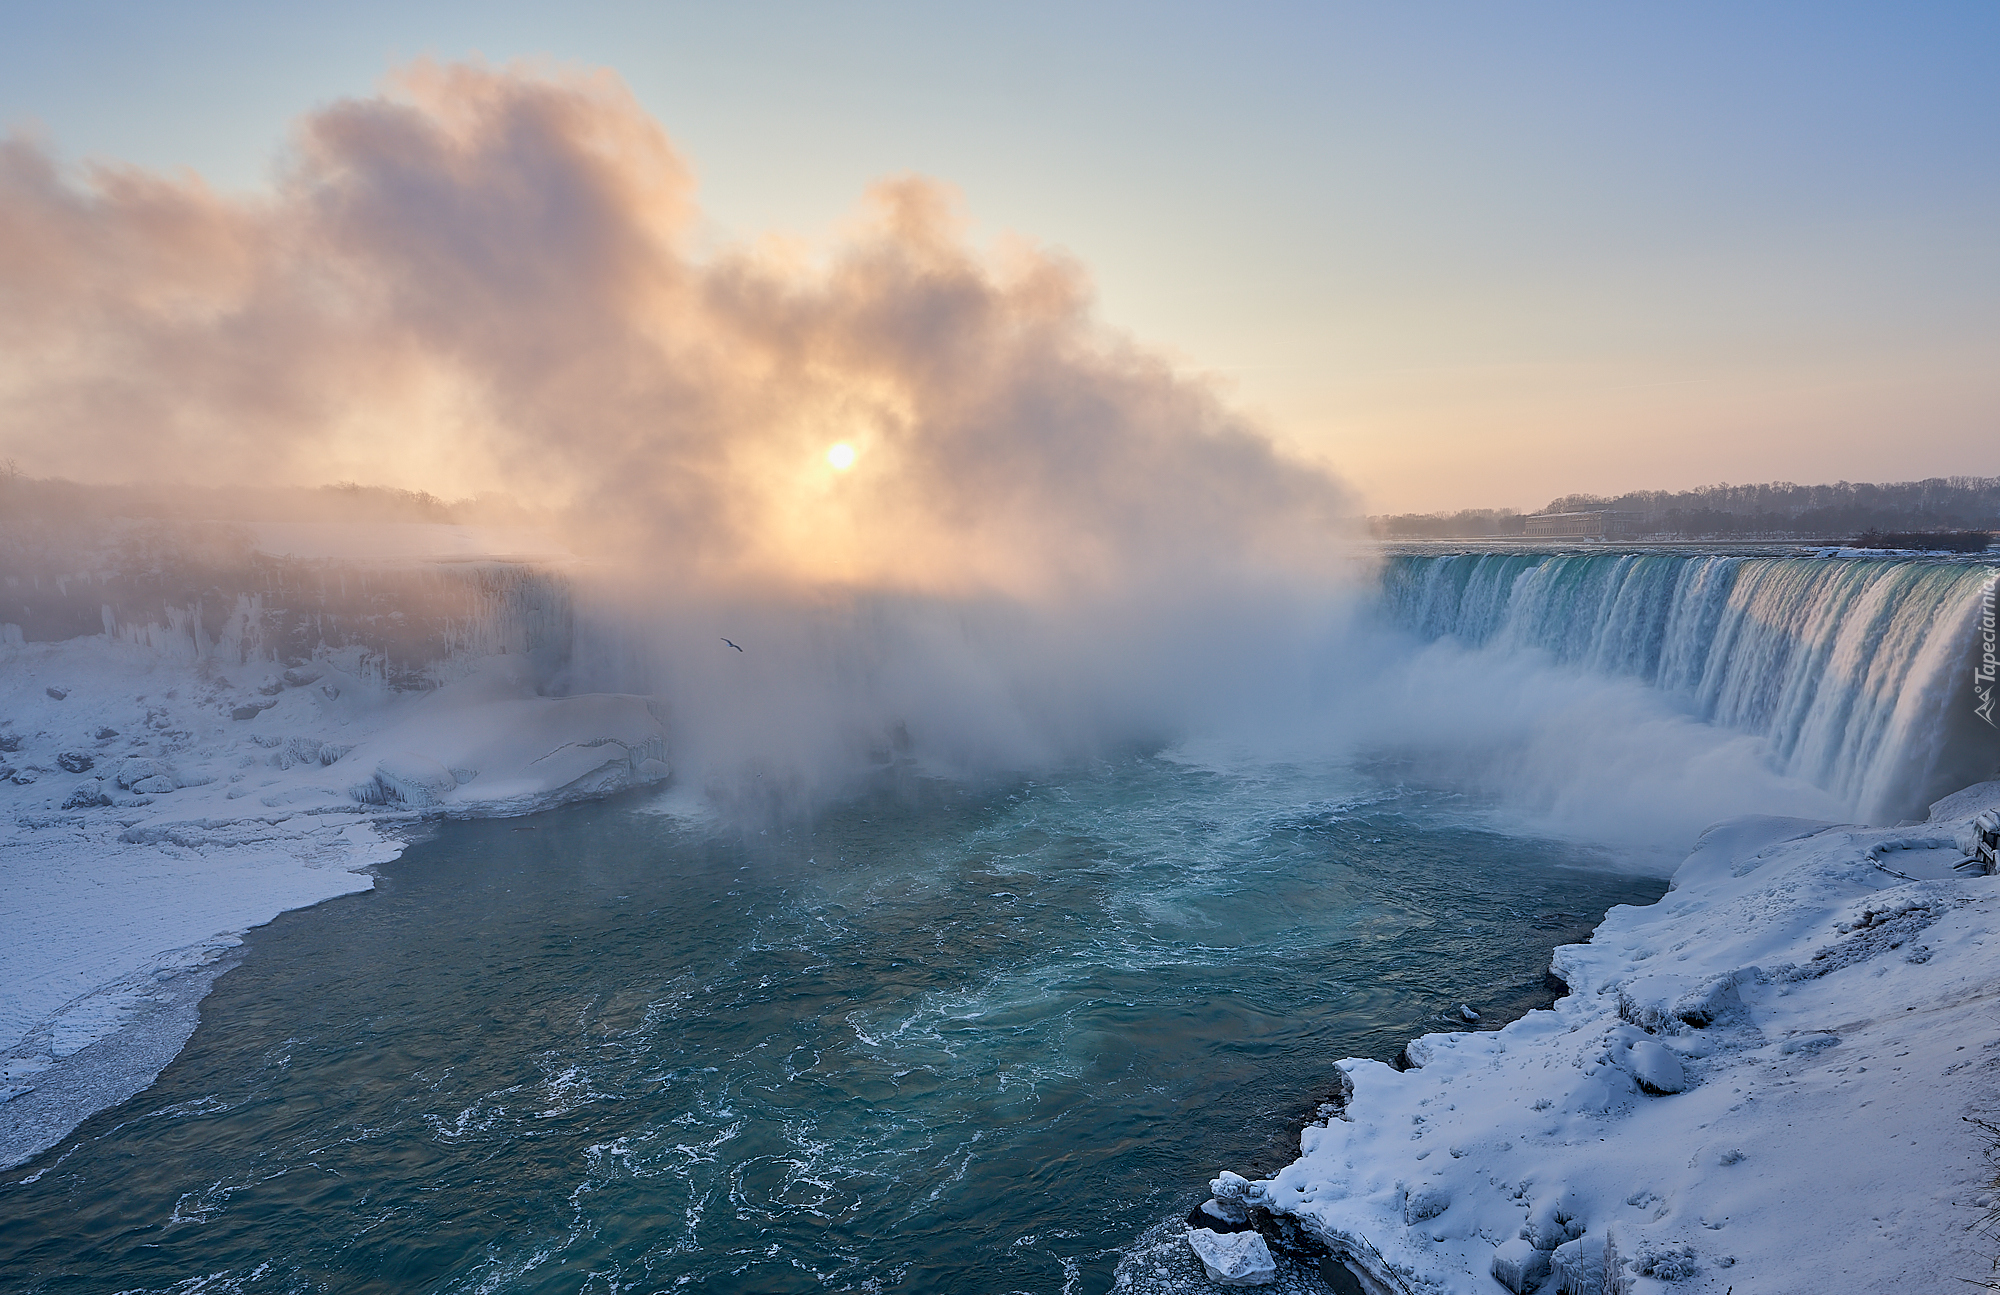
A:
[1468, 254]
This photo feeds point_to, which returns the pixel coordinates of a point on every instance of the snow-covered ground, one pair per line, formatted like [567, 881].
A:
[1759, 1084]
[153, 807]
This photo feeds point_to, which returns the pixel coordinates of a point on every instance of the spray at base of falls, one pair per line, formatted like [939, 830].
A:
[1857, 672]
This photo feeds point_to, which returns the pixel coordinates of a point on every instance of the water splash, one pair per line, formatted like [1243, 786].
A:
[1856, 671]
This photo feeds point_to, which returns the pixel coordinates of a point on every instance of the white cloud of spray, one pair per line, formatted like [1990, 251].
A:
[1565, 751]
[486, 278]
[1048, 543]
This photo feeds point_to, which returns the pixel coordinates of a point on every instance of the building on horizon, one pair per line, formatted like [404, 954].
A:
[1595, 525]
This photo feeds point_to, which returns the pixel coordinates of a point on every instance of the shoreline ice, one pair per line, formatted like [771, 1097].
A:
[1759, 1082]
[152, 809]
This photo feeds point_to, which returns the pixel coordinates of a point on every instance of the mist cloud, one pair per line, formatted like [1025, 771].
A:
[1049, 543]
[495, 279]
[485, 279]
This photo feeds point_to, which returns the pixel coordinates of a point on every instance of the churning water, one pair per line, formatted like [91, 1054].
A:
[943, 1040]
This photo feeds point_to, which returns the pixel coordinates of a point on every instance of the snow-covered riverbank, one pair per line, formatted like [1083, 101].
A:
[1759, 1083]
[153, 807]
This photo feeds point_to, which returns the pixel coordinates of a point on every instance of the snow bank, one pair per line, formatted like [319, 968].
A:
[1757, 1082]
[153, 808]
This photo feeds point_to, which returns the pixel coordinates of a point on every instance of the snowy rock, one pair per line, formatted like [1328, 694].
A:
[1668, 1263]
[1656, 1067]
[1225, 1211]
[1424, 1203]
[1602, 1092]
[309, 751]
[1233, 1189]
[1717, 1000]
[158, 784]
[57, 694]
[1579, 1266]
[75, 761]
[1809, 1043]
[1967, 803]
[133, 771]
[1233, 1258]
[1558, 1220]
[1465, 1013]
[87, 795]
[1519, 1266]
[406, 778]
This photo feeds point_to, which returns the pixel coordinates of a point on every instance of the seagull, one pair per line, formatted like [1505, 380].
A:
[732, 645]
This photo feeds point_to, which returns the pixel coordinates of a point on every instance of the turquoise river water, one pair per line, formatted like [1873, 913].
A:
[949, 1039]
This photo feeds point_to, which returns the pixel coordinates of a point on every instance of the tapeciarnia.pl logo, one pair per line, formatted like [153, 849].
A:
[1983, 670]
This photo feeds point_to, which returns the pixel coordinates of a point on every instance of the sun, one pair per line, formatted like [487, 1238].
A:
[840, 456]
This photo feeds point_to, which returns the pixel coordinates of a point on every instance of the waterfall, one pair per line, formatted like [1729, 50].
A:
[1857, 671]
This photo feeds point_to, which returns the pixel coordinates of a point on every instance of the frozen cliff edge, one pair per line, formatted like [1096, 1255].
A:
[1757, 1082]
[154, 807]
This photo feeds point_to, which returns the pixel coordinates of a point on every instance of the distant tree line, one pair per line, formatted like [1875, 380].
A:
[1467, 524]
[1772, 510]
[24, 498]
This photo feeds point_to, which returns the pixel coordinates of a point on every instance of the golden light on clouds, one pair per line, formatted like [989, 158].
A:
[483, 279]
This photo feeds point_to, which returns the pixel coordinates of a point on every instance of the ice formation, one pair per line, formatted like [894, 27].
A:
[1233, 1258]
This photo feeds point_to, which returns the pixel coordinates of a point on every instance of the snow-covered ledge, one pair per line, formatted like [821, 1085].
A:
[1759, 1082]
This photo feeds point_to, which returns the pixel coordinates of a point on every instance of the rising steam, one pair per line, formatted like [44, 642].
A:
[481, 280]
[950, 516]
[955, 524]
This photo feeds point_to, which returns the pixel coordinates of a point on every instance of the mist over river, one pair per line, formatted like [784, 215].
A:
[943, 1038]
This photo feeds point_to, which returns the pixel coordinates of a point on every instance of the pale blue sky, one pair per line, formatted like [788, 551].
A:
[1469, 253]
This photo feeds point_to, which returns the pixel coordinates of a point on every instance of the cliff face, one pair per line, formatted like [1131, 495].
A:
[397, 604]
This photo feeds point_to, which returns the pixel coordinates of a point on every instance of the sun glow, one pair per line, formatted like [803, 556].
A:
[840, 456]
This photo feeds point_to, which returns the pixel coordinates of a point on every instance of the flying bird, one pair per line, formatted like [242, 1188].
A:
[732, 645]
